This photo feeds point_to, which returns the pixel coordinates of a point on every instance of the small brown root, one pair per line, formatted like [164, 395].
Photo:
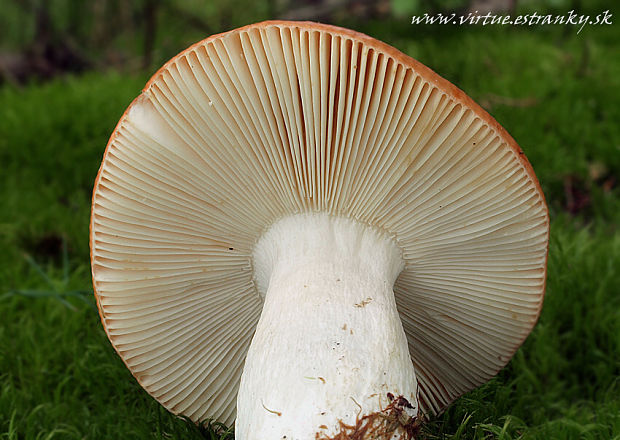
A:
[386, 424]
[277, 413]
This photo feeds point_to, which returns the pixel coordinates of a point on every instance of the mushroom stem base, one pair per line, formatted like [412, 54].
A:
[329, 349]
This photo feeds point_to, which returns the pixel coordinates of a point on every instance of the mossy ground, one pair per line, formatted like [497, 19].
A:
[556, 92]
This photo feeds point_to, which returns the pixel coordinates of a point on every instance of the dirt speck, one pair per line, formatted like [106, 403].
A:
[363, 303]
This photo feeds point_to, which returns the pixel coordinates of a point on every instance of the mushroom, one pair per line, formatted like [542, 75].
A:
[299, 229]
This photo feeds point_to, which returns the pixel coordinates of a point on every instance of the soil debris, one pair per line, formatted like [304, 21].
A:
[392, 422]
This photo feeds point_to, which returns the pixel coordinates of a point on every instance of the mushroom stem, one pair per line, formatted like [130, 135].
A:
[329, 350]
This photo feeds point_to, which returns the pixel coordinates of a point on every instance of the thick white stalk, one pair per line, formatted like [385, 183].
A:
[329, 348]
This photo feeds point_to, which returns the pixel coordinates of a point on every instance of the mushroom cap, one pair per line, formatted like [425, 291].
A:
[280, 118]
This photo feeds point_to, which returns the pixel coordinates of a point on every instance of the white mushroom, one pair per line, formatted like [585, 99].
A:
[297, 226]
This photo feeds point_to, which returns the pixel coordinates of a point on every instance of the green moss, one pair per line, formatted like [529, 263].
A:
[556, 93]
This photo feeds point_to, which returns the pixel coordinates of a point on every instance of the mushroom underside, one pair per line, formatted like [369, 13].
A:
[299, 122]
